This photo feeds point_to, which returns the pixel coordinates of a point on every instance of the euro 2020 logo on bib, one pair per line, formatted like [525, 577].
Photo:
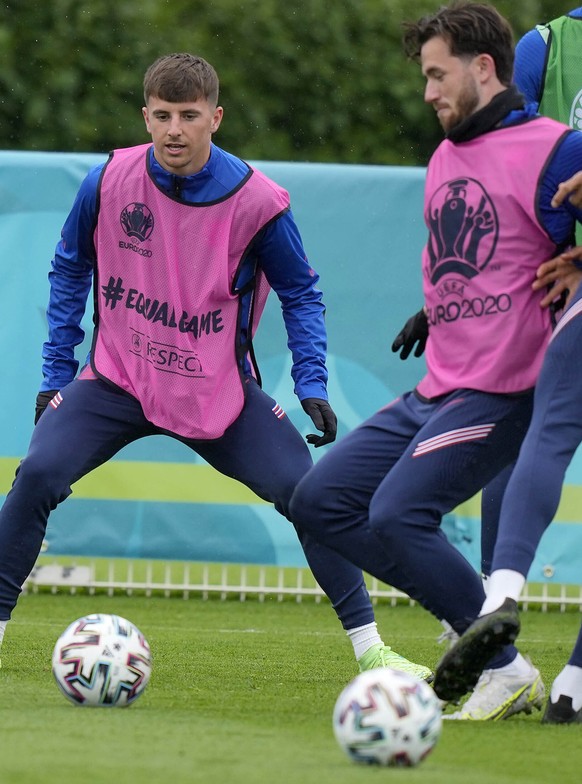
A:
[464, 228]
[137, 221]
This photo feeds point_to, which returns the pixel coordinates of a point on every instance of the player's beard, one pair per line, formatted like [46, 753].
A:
[467, 103]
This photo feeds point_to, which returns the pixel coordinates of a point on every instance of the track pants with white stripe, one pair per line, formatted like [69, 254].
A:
[94, 421]
[378, 496]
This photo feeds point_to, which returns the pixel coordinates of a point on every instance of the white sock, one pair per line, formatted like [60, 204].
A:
[569, 683]
[518, 668]
[502, 584]
[2, 630]
[363, 637]
[485, 580]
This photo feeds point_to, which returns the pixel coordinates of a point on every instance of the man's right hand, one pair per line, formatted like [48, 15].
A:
[569, 189]
[42, 401]
[415, 331]
[562, 275]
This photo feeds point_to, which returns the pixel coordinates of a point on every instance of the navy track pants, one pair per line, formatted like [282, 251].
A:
[94, 421]
[379, 495]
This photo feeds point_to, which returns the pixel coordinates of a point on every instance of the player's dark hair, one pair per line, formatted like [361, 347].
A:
[180, 78]
[469, 29]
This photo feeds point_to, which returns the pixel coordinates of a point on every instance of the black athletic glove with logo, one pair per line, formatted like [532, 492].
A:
[414, 331]
[323, 418]
[42, 401]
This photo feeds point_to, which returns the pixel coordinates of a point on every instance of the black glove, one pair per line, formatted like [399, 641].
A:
[414, 331]
[323, 418]
[42, 401]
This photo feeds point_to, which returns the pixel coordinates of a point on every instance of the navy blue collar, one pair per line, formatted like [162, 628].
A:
[489, 117]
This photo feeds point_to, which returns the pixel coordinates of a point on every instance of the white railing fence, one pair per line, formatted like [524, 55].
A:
[240, 581]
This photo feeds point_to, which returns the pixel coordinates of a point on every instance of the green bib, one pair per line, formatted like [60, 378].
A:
[562, 86]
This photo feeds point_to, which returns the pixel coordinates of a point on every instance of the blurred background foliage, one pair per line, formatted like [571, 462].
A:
[303, 80]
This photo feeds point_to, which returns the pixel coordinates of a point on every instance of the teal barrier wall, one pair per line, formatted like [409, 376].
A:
[363, 231]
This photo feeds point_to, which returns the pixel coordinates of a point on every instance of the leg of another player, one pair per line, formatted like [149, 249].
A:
[267, 454]
[529, 505]
[565, 703]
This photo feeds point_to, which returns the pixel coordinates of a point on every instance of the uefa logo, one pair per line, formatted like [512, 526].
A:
[137, 221]
[136, 342]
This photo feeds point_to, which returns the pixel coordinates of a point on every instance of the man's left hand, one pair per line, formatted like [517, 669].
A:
[323, 418]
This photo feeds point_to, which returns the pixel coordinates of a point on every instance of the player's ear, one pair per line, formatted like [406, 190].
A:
[485, 66]
[216, 119]
[144, 112]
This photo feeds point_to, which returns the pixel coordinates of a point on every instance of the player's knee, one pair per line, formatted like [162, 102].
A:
[387, 526]
[281, 497]
[40, 478]
[303, 503]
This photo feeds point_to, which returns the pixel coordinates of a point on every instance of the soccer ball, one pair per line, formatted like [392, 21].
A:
[387, 717]
[102, 660]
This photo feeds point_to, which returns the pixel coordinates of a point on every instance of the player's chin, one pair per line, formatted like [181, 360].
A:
[175, 154]
[447, 122]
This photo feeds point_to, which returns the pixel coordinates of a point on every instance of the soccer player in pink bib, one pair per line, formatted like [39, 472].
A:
[182, 242]
[379, 495]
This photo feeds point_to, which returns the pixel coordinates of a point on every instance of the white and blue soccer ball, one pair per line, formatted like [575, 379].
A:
[102, 660]
[387, 717]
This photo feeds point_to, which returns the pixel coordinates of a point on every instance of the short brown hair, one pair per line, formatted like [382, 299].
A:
[469, 29]
[179, 78]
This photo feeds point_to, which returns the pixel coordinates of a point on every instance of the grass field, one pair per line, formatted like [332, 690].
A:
[242, 692]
